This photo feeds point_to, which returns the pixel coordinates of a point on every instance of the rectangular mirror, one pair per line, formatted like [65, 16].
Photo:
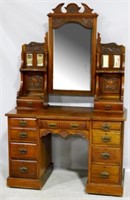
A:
[116, 61]
[40, 60]
[105, 61]
[29, 60]
[72, 58]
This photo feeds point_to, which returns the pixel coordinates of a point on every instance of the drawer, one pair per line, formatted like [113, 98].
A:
[23, 169]
[54, 124]
[106, 126]
[23, 122]
[105, 174]
[23, 135]
[23, 151]
[101, 137]
[107, 155]
[29, 104]
[108, 106]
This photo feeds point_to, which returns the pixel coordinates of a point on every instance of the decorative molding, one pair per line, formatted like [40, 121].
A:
[35, 82]
[110, 84]
[33, 47]
[111, 48]
[86, 22]
[64, 133]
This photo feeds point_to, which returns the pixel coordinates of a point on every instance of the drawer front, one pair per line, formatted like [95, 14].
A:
[108, 106]
[107, 155]
[101, 137]
[23, 169]
[54, 124]
[23, 122]
[105, 174]
[23, 135]
[30, 103]
[23, 151]
[106, 126]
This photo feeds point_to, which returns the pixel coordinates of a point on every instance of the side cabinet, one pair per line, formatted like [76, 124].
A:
[29, 155]
[105, 158]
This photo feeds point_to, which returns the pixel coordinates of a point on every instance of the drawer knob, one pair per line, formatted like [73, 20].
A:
[106, 138]
[29, 103]
[108, 107]
[74, 126]
[23, 123]
[23, 151]
[52, 125]
[23, 135]
[23, 169]
[105, 155]
[106, 127]
[104, 175]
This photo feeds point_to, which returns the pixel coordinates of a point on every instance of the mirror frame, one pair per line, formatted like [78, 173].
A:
[85, 18]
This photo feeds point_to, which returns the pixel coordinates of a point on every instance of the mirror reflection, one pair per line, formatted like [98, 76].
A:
[72, 58]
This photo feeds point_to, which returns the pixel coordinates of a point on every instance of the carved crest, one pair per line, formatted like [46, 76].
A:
[72, 8]
[71, 11]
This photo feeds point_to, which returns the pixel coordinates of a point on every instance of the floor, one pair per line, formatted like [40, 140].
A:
[62, 185]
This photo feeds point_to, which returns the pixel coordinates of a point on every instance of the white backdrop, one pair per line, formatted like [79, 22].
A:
[26, 21]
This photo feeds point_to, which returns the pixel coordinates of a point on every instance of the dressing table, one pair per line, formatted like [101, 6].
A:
[71, 61]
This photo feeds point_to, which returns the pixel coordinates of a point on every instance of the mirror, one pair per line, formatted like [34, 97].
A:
[72, 50]
[72, 58]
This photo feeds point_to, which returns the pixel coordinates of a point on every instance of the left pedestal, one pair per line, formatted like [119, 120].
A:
[29, 155]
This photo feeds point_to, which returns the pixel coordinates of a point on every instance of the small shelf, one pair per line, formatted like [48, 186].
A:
[32, 69]
[109, 71]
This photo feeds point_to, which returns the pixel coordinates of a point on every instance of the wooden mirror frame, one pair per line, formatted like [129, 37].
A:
[88, 20]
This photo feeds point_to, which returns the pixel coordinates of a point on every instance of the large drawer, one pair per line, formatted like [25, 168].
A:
[106, 126]
[23, 169]
[23, 122]
[101, 137]
[23, 151]
[105, 174]
[55, 124]
[23, 135]
[106, 155]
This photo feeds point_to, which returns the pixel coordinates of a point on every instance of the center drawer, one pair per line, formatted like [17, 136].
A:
[23, 151]
[55, 124]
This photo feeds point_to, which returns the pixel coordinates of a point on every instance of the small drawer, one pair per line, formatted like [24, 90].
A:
[30, 104]
[106, 126]
[106, 155]
[23, 135]
[53, 124]
[105, 174]
[23, 169]
[23, 151]
[101, 137]
[23, 122]
[108, 106]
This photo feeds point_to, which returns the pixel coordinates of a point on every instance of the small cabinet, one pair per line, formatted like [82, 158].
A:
[32, 94]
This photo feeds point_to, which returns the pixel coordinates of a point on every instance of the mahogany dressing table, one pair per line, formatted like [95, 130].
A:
[43, 71]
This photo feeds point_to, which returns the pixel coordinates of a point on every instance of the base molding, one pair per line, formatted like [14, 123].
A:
[105, 189]
[30, 183]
